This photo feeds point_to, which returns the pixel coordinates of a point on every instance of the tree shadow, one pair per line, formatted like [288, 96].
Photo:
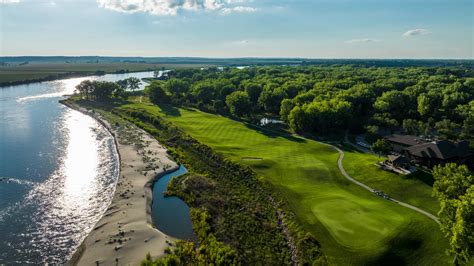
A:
[170, 110]
[398, 251]
[105, 105]
[350, 148]
[423, 176]
[274, 133]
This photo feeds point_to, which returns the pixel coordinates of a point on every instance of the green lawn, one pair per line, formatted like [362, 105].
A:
[414, 188]
[353, 225]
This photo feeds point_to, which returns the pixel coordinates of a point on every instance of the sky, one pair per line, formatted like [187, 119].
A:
[239, 28]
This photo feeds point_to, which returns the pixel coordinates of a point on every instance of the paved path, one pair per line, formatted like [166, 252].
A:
[344, 173]
[348, 177]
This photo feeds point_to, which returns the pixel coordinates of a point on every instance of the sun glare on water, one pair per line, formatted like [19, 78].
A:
[80, 166]
[72, 198]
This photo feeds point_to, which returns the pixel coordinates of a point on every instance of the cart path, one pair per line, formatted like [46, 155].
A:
[348, 177]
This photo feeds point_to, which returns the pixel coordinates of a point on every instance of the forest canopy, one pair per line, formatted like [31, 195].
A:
[327, 99]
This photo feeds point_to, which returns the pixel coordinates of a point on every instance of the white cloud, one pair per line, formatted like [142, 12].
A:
[240, 42]
[365, 40]
[238, 1]
[172, 7]
[9, 1]
[239, 9]
[415, 32]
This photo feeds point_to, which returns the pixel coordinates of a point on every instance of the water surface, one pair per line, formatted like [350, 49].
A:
[58, 171]
[170, 214]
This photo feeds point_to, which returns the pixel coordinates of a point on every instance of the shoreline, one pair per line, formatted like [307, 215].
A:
[7, 84]
[130, 237]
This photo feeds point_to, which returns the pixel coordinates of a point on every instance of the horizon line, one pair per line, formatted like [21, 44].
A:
[243, 57]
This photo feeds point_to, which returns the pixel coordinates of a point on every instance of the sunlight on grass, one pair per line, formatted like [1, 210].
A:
[352, 224]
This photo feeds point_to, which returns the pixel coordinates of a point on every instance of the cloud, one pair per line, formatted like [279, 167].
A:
[9, 1]
[416, 32]
[172, 7]
[365, 40]
[238, 1]
[238, 9]
[240, 42]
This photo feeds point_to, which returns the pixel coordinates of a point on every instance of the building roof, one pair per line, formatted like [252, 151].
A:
[406, 140]
[398, 159]
[443, 149]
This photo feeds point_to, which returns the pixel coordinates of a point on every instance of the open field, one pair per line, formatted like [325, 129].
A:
[353, 225]
[414, 189]
[41, 70]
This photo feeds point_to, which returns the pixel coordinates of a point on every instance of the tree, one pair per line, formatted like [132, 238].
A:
[291, 89]
[225, 90]
[372, 133]
[119, 92]
[447, 129]
[156, 93]
[468, 127]
[298, 120]
[428, 103]
[203, 91]
[321, 116]
[133, 83]
[452, 181]
[253, 90]
[467, 113]
[85, 88]
[177, 87]
[411, 127]
[123, 83]
[396, 103]
[381, 146]
[286, 106]
[103, 90]
[270, 99]
[238, 103]
[361, 97]
[454, 187]
[462, 241]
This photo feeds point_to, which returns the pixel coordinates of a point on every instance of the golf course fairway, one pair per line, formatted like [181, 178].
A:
[415, 188]
[353, 225]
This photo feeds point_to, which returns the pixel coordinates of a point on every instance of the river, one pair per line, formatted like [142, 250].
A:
[58, 171]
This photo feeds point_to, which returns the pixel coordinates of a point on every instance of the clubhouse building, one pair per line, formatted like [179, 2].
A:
[429, 152]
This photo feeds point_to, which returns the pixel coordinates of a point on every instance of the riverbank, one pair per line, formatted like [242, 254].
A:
[68, 75]
[49, 78]
[125, 233]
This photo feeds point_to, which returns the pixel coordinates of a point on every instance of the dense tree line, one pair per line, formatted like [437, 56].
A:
[105, 90]
[454, 187]
[323, 100]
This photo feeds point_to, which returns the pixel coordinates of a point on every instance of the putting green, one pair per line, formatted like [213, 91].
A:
[357, 223]
[353, 225]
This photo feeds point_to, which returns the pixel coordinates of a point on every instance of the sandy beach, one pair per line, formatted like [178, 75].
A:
[124, 235]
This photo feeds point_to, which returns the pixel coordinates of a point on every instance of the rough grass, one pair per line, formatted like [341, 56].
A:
[353, 225]
[415, 188]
